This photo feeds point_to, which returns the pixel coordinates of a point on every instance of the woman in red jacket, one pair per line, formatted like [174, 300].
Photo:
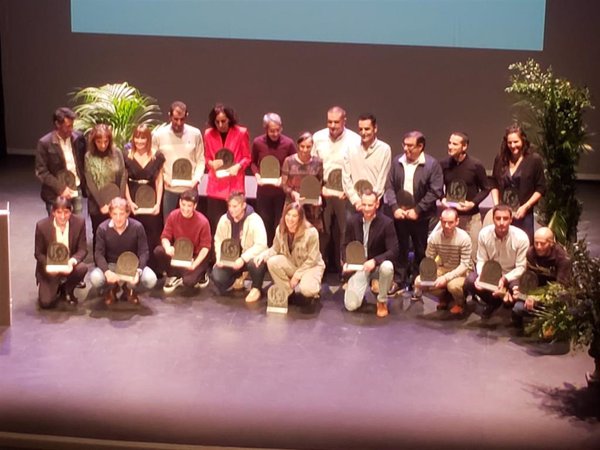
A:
[224, 176]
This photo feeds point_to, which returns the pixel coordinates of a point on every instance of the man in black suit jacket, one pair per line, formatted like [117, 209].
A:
[58, 151]
[378, 235]
[64, 227]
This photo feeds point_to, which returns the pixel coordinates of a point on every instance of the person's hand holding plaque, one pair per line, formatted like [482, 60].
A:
[270, 171]
[355, 257]
[57, 259]
[230, 254]
[107, 193]
[428, 272]
[456, 195]
[181, 173]
[491, 279]
[527, 284]
[127, 267]
[183, 253]
[67, 178]
[310, 190]
[145, 200]
[225, 169]
[333, 186]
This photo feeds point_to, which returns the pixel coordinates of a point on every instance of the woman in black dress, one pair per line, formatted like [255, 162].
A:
[145, 168]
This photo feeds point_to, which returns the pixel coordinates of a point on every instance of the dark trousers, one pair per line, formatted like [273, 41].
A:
[334, 222]
[269, 205]
[96, 219]
[223, 277]
[49, 285]
[190, 277]
[215, 208]
[526, 224]
[485, 295]
[408, 231]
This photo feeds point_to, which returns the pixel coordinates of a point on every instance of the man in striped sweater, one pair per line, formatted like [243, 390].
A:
[450, 247]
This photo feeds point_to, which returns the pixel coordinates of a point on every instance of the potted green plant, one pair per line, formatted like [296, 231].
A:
[120, 105]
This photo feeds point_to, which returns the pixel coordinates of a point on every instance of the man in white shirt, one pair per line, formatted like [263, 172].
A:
[331, 145]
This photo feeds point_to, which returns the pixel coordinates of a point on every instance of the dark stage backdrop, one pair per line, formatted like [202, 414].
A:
[436, 90]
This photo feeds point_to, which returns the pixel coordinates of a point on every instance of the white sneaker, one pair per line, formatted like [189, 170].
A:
[253, 296]
[203, 282]
[171, 284]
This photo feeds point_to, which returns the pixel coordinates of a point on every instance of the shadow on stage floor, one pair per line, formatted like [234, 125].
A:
[195, 370]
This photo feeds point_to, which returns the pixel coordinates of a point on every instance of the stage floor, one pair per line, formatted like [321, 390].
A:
[203, 370]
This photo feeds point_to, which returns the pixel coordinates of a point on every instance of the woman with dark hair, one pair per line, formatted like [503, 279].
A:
[103, 165]
[223, 132]
[294, 169]
[145, 168]
[294, 260]
[518, 178]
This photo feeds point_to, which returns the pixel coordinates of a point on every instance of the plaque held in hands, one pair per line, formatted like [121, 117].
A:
[527, 284]
[226, 156]
[270, 171]
[230, 251]
[355, 256]
[310, 190]
[184, 253]
[427, 272]
[67, 178]
[145, 199]
[361, 185]
[108, 192]
[127, 266]
[57, 258]
[405, 199]
[457, 193]
[181, 173]
[277, 300]
[334, 181]
[510, 197]
[490, 275]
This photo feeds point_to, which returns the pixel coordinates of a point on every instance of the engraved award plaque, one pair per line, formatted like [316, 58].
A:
[184, 253]
[277, 300]
[270, 171]
[310, 190]
[527, 284]
[427, 272]
[456, 193]
[145, 198]
[67, 178]
[108, 192]
[181, 174]
[405, 199]
[362, 185]
[334, 181]
[355, 256]
[510, 197]
[127, 266]
[226, 156]
[57, 258]
[230, 251]
[490, 275]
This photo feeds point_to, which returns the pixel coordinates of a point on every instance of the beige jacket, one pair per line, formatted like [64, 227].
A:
[253, 239]
[305, 253]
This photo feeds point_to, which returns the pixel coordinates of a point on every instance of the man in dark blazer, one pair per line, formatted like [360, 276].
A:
[64, 227]
[419, 175]
[377, 234]
[58, 153]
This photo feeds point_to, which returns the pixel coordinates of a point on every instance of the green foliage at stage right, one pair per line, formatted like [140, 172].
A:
[571, 312]
[555, 108]
[120, 105]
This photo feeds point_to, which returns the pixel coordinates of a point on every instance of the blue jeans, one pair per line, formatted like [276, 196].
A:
[223, 277]
[147, 277]
[359, 282]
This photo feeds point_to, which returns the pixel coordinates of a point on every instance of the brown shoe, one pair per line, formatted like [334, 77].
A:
[375, 286]
[457, 310]
[132, 297]
[110, 296]
[382, 309]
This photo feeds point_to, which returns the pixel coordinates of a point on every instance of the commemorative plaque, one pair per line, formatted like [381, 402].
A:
[405, 199]
[490, 275]
[310, 190]
[181, 173]
[184, 253]
[127, 266]
[277, 300]
[527, 283]
[355, 256]
[57, 258]
[230, 251]
[334, 181]
[226, 156]
[362, 185]
[457, 193]
[145, 199]
[270, 170]
[427, 272]
[510, 197]
[67, 178]
[108, 192]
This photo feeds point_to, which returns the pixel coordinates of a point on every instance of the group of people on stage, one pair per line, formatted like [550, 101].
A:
[388, 204]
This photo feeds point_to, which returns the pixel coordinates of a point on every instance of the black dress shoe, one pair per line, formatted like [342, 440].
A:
[81, 285]
[71, 299]
[395, 289]
[488, 310]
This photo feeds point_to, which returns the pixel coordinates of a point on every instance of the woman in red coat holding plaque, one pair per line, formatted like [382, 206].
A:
[227, 153]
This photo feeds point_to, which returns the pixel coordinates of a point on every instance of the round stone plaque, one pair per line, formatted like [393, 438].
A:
[361, 185]
[310, 190]
[405, 199]
[226, 156]
[269, 167]
[127, 265]
[145, 197]
[334, 180]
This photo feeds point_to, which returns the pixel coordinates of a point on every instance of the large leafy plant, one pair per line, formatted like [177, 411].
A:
[555, 108]
[120, 105]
